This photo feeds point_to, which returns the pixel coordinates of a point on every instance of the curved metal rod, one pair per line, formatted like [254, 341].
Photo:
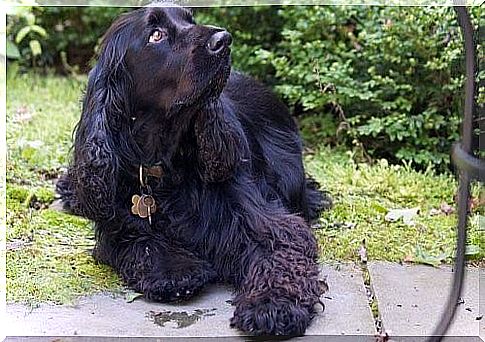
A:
[465, 162]
[464, 187]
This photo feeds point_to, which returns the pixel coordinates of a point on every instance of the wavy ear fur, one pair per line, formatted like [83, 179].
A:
[89, 188]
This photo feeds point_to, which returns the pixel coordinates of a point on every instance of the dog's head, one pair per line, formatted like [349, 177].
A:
[153, 63]
[167, 60]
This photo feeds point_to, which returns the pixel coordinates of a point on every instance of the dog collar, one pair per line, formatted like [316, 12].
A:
[142, 172]
[152, 171]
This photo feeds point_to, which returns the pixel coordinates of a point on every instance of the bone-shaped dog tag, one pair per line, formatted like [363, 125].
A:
[143, 206]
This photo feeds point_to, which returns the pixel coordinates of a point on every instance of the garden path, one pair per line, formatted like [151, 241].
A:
[405, 300]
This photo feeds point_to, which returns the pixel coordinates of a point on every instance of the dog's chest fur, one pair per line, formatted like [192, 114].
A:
[180, 197]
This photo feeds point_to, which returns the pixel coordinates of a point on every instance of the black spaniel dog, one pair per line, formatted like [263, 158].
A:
[192, 173]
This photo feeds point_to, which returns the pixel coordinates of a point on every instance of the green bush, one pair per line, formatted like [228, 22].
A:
[72, 35]
[390, 77]
[22, 29]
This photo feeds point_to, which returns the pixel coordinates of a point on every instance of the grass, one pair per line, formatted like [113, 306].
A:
[48, 252]
[364, 194]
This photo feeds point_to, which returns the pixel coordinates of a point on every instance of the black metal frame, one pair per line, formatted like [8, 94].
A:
[469, 167]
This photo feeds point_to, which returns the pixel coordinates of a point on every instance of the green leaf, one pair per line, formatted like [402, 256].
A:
[40, 30]
[35, 47]
[12, 50]
[30, 17]
[23, 32]
[422, 257]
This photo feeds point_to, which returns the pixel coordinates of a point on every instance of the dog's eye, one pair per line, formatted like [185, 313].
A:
[157, 36]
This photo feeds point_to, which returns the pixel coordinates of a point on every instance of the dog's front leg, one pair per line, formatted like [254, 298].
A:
[281, 285]
[151, 263]
[221, 142]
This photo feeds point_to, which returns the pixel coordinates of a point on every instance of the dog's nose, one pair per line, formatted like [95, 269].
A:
[218, 42]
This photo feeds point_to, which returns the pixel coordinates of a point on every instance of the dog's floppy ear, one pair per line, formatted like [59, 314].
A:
[106, 110]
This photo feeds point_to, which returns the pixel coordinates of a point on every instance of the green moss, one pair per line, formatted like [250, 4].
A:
[56, 264]
[49, 252]
[45, 195]
[364, 193]
[17, 193]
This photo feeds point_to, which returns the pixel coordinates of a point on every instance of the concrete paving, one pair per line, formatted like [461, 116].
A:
[411, 299]
[347, 313]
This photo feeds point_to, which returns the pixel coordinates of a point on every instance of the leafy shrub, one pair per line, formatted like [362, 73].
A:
[23, 22]
[72, 35]
[391, 77]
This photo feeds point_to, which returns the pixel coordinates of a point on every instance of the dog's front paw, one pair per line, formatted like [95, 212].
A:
[180, 285]
[271, 316]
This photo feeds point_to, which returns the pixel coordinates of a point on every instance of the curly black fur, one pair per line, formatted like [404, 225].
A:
[233, 202]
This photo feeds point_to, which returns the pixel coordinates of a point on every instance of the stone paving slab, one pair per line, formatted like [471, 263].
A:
[411, 299]
[347, 313]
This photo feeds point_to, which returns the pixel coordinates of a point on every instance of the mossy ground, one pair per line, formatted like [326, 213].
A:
[48, 252]
[363, 194]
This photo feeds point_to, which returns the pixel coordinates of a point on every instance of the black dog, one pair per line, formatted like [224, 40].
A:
[193, 173]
